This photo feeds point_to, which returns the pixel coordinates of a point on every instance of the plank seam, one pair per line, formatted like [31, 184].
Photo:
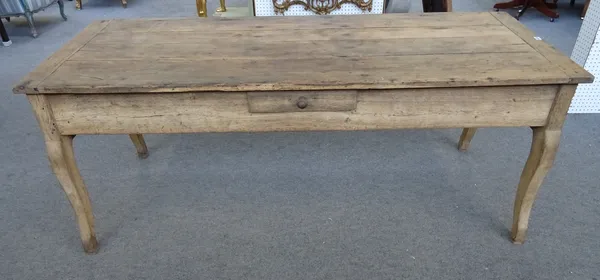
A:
[533, 47]
[70, 55]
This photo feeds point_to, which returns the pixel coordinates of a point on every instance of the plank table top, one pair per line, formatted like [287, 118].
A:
[393, 71]
[292, 53]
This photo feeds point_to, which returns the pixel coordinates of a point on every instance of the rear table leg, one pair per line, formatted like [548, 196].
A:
[465, 138]
[140, 145]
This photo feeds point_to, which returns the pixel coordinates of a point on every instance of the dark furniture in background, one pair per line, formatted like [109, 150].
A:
[541, 5]
[585, 7]
[16, 8]
[5, 40]
[434, 6]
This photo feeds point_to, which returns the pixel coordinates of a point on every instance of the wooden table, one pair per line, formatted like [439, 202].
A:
[302, 74]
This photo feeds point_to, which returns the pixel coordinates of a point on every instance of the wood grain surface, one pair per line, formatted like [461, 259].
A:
[375, 109]
[391, 51]
[301, 101]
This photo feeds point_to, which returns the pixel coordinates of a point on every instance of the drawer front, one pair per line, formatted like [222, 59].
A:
[301, 101]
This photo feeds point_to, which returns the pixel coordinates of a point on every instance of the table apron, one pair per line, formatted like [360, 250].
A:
[230, 112]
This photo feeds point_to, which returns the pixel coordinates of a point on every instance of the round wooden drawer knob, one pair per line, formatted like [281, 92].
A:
[302, 103]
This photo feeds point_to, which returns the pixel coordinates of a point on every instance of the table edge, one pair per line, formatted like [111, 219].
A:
[29, 84]
[574, 71]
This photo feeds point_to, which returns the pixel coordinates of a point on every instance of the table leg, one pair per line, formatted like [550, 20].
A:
[543, 150]
[465, 138]
[140, 145]
[544, 145]
[63, 164]
[62, 161]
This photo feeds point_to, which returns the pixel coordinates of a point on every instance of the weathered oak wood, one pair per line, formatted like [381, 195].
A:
[32, 80]
[62, 161]
[352, 52]
[560, 107]
[129, 49]
[575, 72]
[301, 101]
[303, 35]
[302, 74]
[465, 138]
[140, 145]
[224, 112]
[300, 23]
[541, 157]
[245, 74]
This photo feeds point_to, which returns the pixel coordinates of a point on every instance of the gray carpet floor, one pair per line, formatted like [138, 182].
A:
[341, 205]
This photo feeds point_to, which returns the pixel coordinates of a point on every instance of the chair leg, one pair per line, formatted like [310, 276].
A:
[508, 5]
[585, 8]
[525, 7]
[61, 7]
[29, 17]
[5, 40]
[543, 8]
